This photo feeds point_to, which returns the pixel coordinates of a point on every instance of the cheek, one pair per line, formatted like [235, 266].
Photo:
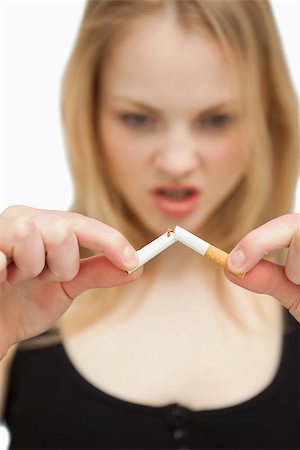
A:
[123, 155]
[226, 156]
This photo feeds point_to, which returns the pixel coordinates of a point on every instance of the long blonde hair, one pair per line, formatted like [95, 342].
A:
[245, 29]
[246, 32]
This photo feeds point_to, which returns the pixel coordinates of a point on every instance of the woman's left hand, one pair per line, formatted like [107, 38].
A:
[265, 277]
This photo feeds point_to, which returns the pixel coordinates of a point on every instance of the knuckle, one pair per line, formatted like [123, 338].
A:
[74, 215]
[117, 239]
[287, 222]
[23, 227]
[289, 219]
[14, 211]
[58, 232]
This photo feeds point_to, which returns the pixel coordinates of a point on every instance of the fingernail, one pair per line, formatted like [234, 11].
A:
[130, 258]
[236, 260]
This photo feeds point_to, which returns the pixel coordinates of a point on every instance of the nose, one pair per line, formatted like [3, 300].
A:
[177, 156]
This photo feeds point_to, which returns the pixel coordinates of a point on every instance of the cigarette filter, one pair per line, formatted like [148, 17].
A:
[154, 248]
[203, 247]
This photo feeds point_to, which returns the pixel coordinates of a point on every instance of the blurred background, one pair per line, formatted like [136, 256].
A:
[36, 39]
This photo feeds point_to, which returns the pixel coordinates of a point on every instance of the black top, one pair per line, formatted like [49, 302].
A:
[51, 406]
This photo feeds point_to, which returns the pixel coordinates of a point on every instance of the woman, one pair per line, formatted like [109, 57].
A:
[175, 113]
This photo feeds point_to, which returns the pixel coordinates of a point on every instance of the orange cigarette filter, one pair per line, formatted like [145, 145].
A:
[204, 248]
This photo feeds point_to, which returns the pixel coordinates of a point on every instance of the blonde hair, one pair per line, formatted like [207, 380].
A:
[246, 32]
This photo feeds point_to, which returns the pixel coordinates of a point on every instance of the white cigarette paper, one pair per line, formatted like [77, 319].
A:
[154, 248]
[190, 240]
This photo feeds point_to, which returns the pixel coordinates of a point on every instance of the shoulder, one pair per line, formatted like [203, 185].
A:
[43, 340]
[19, 353]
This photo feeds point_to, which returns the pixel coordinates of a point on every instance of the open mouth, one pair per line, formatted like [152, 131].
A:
[176, 195]
[176, 201]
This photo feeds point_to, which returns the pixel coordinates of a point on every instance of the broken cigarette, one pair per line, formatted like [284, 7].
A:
[204, 248]
[154, 248]
[185, 237]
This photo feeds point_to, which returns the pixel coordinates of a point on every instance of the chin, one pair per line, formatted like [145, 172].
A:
[155, 224]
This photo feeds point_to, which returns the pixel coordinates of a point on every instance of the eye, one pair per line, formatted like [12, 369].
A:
[137, 120]
[216, 121]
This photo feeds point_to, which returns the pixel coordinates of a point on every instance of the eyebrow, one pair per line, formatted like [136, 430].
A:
[206, 110]
[140, 105]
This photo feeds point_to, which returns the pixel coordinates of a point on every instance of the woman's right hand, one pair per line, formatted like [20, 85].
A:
[41, 271]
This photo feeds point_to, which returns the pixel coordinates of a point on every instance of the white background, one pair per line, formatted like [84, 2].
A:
[36, 39]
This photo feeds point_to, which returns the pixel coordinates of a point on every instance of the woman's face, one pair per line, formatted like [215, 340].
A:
[169, 124]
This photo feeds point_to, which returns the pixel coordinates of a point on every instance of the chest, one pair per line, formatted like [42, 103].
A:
[159, 361]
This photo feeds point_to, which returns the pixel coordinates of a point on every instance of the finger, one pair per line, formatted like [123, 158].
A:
[62, 252]
[100, 237]
[90, 233]
[3, 269]
[273, 235]
[20, 240]
[97, 272]
[292, 266]
[269, 278]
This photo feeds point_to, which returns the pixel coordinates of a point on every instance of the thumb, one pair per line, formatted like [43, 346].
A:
[97, 272]
[269, 278]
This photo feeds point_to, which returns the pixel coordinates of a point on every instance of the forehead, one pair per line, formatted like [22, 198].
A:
[160, 61]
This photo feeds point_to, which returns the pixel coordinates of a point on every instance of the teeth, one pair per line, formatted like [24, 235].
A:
[176, 195]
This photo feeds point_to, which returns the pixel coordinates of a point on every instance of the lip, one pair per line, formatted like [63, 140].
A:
[176, 208]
